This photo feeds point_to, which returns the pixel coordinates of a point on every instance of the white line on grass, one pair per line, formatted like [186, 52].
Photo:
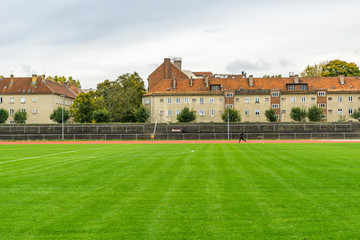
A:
[47, 155]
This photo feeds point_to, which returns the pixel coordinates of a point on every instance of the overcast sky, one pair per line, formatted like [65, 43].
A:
[94, 40]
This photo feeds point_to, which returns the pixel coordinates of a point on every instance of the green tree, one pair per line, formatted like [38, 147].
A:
[315, 114]
[56, 115]
[142, 114]
[270, 115]
[101, 116]
[20, 117]
[4, 115]
[84, 106]
[356, 114]
[122, 97]
[298, 114]
[337, 67]
[186, 115]
[234, 116]
[315, 70]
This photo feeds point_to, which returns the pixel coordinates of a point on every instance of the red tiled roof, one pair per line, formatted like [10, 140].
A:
[202, 73]
[24, 85]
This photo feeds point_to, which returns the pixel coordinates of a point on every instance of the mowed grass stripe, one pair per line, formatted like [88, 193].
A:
[182, 191]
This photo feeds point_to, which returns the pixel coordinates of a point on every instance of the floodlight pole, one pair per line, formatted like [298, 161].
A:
[227, 95]
[62, 118]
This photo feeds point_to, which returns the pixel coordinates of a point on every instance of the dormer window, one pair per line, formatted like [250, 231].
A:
[291, 87]
[215, 87]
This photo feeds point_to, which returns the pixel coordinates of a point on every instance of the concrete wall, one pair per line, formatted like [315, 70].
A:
[181, 131]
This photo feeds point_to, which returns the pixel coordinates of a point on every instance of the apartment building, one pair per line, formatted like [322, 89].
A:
[37, 96]
[171, 89]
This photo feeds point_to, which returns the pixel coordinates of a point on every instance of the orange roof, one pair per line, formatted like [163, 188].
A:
[24, 85]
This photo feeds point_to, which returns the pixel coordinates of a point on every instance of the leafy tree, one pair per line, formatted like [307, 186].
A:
[186, 115]
[234, 116]
[20, 117]
[298, 114]
[142, 114]
[337, 67]
[270, 115]
[4, 115]
[356, 114]
[84, 106]
[122, 96]
[101, 116]
[57, 115]
[315, 114]
[314, 71]
[63, 79]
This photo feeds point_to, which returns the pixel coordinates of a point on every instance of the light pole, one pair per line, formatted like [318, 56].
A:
[62, 118]
[227, 95]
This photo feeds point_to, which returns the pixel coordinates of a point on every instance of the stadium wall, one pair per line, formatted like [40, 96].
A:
[191, 131]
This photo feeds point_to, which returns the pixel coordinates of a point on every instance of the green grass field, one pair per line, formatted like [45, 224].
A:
[180, 191]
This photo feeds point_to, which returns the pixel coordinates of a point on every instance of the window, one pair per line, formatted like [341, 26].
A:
[211, 112]
[11, 100]
[330, 111]
[313, 99]
[186, 100]
[291, 87]
[201, 100]
[339, 98]
[169, 112]
[340, 111]
[293, 99]
[303, 99]
[215, 88]
[247, 100]
[23, 110]
[267, 99]
[202, 112]
[34, 99]
[1, 100]
[277, 116]
[178, 100]
[34, 111]
[221, 100]
[229, 94]
[237, 99]
[321, 94]
[329, 98]
[11, 111]
[12, 122]
[169, 100]
[257, 100]
[350, 111]
[161, 112]
[247, 112]
[275, 94]
[193, 100]
[177, 112]
[147, 101]
[283, 111]
[22, 100]
[257, 111]
[211, 100]
[350, 98]
[283, 99]
[275, 105]
[229, 106]
[161, 100]
[303, 87]
[321, 105]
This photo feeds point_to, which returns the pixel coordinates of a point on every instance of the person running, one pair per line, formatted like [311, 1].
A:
[242, 137]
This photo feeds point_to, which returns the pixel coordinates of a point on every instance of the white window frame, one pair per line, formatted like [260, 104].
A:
[350, 111]
[291, 87]
[350, 98]
[22, 110]
[257, 100]
[257, 111]
[34, 111]
[177, 112]
[293, 99]
[321, 105]
[11, 111]
[22, 100]
[303, 99]
[229, 95]
[247, 112]
[186, 100]
[340, 98]
[147, 101]
[202, 100]
[275, 106]
[169, 113]
[246, 100]
[267, 99]
[322, 94]
[169, 100]
[202, 112]
[178, 100]
[34, 99]
[229, 106]
[340, 111]
[275, 94]
[161, 100]
[211, 100]
[211, 112]
[11, 100]
[1, 99]
[161, 112]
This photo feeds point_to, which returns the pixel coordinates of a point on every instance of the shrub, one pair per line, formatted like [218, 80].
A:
[356, 114]
[298, 114]
[57, 115]
[101, 116]
[234, 116]
[4, 115]
[142, 114]
[315, 114]
[270, 115]
[20, 117]
[186, 115]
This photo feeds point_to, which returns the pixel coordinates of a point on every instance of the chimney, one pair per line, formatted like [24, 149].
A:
[191, 81]
[251, 80]
[296, 79]
[167, 68]
[342, 79]
[207, 81]
[177, 62]
[11, 79]
[34, 78]
[43, 77]
[174, 82]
